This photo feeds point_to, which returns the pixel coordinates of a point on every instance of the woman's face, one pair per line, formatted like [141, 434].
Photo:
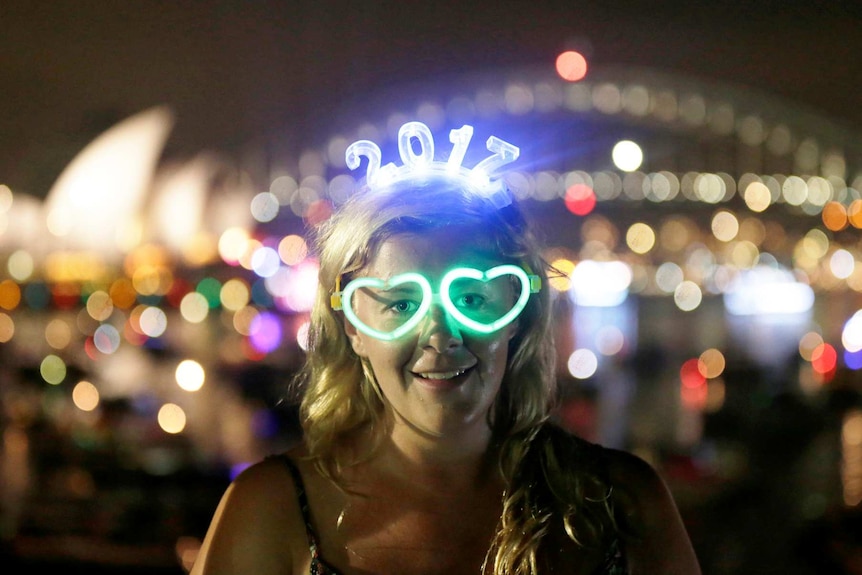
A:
[439, 378]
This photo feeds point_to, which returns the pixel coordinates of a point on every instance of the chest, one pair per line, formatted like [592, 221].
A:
[397, 531]
[415, 536]
[401, 529]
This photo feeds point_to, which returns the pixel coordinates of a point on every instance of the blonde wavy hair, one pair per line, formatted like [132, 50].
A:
[546, 479]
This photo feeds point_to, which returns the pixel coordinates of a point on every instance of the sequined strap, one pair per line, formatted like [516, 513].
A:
[318, 565]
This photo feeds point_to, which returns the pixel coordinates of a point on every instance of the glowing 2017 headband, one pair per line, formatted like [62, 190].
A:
[422, 164]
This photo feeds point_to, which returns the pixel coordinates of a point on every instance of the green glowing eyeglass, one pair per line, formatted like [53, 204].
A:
[481, 301]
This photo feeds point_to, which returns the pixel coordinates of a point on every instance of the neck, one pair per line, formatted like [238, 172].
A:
[434, 460]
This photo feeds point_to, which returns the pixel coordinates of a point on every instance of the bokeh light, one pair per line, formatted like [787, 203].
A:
[560, 280]
[10, 294]
[265, 261]
[21, 265]
[842, 263]
[194, 307]
[757, 196]
[571, 66]
[640, 238]
[627, 155]
[582, 364]
[106, 338]
[99, 305]
[824, 359]
[690, 374]
[85, 396]
[687, 295]
[234, 294]
[7, 328]
[243, 318]
[854, 213]
[53, 369]
[292, 249]
[302, 335]
[711, 363]
[853, 359]
[668, 276]
[172, 418]
[190, 375]
[265, 332]
[600, 284]
[153, 321]
[725, 226]
[851, 333]
[232, 245]
[265, 207]
[609, 340]
[58, 333]
[580, 199]
[834, 216]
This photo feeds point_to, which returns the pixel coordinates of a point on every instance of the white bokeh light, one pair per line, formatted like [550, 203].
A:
[582, 363]
[600, 284]
[627, 155]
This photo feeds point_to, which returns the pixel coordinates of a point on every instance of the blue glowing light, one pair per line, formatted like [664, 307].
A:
[853, 359]
[421, 164]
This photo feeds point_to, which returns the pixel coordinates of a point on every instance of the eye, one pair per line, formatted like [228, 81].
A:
[403, 306]
[470, 301]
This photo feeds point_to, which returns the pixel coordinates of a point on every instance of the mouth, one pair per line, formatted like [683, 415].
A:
[441, 374]
[438, 379]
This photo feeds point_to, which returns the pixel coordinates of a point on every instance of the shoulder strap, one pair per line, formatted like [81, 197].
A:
[302, 499]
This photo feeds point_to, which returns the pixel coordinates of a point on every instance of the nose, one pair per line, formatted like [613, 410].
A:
[440, 331]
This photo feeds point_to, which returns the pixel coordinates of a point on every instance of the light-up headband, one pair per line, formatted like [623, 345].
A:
[464, 294]
[421, 165]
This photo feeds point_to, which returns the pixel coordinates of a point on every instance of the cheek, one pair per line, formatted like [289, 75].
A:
[384, 356]
[496, 354]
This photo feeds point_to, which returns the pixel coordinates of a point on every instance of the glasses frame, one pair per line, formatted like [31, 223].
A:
[530, 284]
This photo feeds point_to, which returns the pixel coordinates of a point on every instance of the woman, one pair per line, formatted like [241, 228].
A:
[428, 445]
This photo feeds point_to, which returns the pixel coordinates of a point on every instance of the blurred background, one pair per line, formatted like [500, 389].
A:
[696, 169]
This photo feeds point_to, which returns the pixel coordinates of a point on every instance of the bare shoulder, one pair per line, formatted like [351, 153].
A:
[265, 487]
[658, 542]
[635, 476]
[258, 525]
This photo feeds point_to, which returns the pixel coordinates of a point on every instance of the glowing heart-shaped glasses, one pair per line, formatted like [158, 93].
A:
[467, 294]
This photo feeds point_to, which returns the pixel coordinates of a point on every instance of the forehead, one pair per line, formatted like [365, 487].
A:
[432, 253]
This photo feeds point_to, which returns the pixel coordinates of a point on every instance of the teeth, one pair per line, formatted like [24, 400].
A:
[442, 374]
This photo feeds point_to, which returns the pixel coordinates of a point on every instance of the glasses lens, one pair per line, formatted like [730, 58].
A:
[480, 301]
[484, 302]
[387, 310]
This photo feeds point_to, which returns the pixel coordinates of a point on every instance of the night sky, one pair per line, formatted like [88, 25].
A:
[258, 73]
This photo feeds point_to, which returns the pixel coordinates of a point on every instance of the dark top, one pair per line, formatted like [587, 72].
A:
[613, 564]
[318, 565]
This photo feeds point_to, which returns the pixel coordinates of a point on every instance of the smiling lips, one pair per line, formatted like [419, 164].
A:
[442, 379]
[441, 374]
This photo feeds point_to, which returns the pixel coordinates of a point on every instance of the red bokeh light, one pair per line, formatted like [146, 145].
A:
[824, 359]
[571, 66]
[580, 199]
[690, 374]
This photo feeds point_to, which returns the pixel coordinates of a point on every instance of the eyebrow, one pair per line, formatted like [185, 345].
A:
[402, 288]
[387, 295]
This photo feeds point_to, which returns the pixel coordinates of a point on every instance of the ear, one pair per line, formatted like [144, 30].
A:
[357, 341]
